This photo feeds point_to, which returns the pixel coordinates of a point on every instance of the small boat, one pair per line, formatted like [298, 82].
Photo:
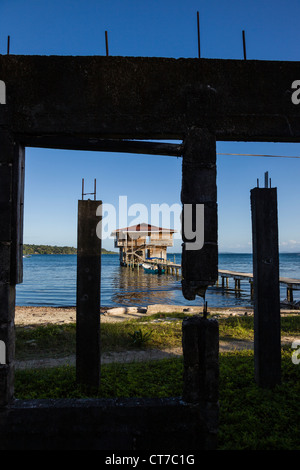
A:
[153, 268]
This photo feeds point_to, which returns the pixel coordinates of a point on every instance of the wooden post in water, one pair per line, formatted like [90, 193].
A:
[251, 289]
[88, 296]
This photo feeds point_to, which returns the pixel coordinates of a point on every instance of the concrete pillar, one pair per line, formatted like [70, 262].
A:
[11, 257]
[200, 343]
[88, 296]
[7, 335]
[267, 341]
[199, 265]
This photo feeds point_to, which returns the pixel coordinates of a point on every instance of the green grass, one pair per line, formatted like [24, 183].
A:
[60, 340]
[251, 418]
[254, 418]
[45, 341]
[147, 379]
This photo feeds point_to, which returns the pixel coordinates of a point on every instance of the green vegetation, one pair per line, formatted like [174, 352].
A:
[60, 340]
[55, 250]
[45, 341]
[106, 252]
[48, 250]
[251, 418]
[148, 379]
[159, 331]
[139, 338]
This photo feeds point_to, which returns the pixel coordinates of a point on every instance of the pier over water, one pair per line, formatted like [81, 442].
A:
[175, 269]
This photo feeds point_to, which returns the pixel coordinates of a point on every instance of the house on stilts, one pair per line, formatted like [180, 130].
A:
[141, 242]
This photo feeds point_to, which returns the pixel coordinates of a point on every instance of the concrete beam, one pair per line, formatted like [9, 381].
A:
[136, 97]
[103, 145]
[132, 424]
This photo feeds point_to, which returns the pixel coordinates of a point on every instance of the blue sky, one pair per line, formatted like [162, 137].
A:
[156, 29]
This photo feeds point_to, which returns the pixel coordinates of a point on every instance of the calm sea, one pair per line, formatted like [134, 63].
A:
[50, 280]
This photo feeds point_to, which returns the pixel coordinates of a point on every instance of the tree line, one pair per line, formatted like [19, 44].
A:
[54, 250]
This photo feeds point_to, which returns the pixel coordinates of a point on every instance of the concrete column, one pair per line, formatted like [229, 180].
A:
[200, 342]
[11, 185]
[199, 266]
[267, 341]
[88, 295]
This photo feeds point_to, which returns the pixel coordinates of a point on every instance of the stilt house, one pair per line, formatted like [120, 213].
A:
[142, 241]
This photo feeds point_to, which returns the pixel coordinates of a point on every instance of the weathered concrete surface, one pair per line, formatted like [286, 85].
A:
[136, 97]
[267, 342]
[107, 424]
[199, 187]
[88, 295]
[200, 343]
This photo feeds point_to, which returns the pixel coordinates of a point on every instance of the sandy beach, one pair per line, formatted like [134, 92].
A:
[63, 315]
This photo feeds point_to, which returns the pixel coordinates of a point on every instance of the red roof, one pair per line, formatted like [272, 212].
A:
[144, 228]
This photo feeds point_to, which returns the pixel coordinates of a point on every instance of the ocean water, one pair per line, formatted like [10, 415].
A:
[50, 280]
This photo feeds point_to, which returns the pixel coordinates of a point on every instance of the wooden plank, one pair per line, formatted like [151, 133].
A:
[294, 283]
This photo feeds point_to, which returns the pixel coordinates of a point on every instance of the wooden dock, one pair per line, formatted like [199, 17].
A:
[291, 284]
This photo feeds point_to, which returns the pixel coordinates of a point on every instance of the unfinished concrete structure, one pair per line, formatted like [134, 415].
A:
[113, 103]
[267, 333]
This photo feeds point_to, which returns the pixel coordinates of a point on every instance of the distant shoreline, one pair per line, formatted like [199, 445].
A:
[56, 250]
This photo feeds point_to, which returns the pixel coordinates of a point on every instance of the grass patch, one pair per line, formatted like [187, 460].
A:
[251, 418]
[148, 379]
[60, 340]
[158, 331]
[45, 341]
[236, 328]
